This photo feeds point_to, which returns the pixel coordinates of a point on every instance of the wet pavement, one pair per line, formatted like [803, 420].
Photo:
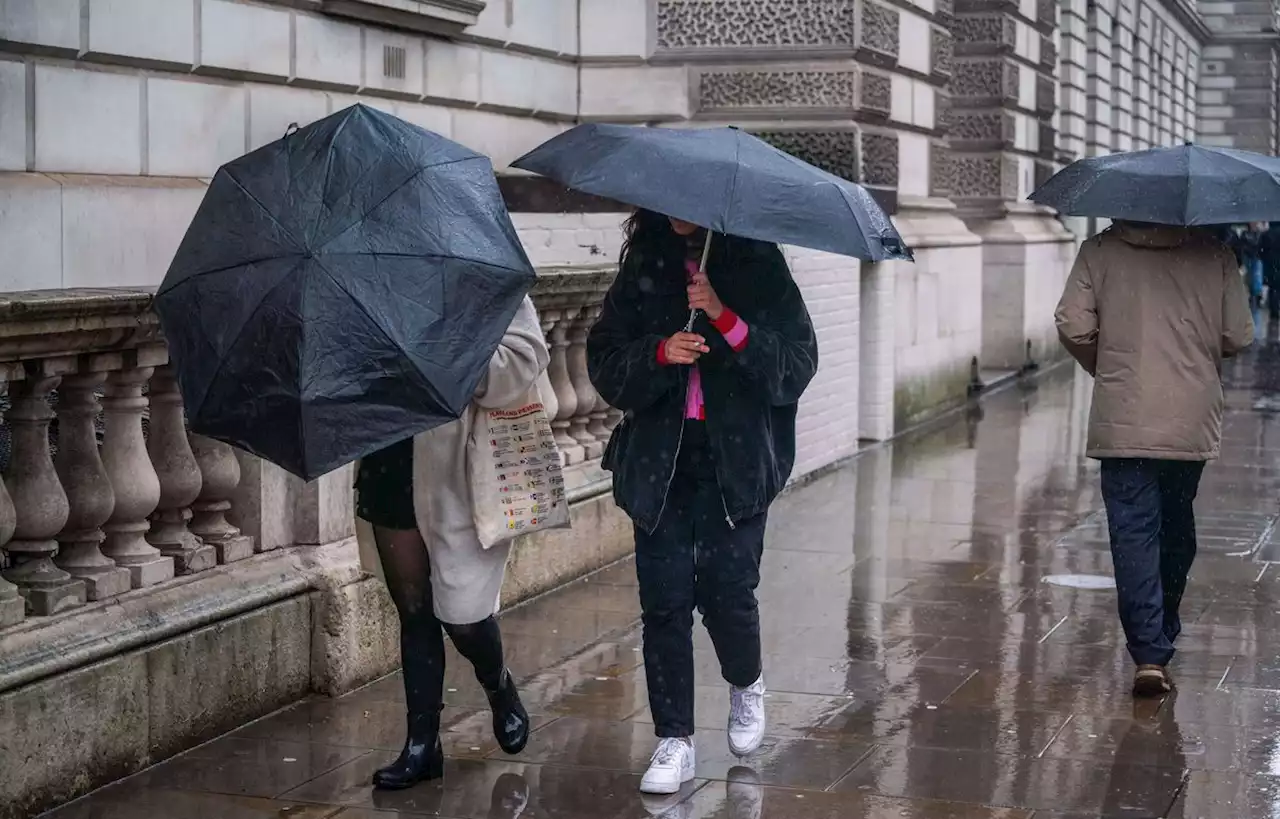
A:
[920, 664]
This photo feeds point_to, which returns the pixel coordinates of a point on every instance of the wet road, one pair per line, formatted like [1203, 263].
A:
[920, 664]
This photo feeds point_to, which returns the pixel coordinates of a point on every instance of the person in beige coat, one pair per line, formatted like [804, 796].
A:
[1150, 312]
[414, 499]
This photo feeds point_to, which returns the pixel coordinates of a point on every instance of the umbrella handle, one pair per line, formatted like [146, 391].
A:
[702, 268]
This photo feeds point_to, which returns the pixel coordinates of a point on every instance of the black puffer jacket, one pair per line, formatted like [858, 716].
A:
[750, 396]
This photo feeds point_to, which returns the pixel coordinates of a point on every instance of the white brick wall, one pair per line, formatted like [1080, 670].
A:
[827, 427]
[567, 239]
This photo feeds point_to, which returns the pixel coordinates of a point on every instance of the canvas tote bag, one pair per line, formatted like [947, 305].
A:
[517, 482]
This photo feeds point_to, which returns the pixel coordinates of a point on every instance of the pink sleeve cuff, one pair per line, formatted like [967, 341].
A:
[662, 353]
[733, 328]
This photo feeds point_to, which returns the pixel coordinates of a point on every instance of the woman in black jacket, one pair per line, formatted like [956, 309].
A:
[706, 444]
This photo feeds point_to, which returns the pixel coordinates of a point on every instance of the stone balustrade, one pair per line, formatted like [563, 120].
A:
[101, 476]
[105, 491]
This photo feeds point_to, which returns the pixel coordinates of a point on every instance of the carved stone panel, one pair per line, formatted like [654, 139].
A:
[876, 94]
[939, 169]
[989, 79]
[1045, 103]
[711, 24]
[1048, 54]
[990, 127]
[776, 89]
[880, 159]
[835, 152]
[941, 48]
[1047, 14]
[879, 28]
[985, 33]
[974, 176]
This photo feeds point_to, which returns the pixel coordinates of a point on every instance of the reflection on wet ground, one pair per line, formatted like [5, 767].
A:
[920, 665]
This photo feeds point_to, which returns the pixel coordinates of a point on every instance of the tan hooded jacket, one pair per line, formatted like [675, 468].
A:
[1150, 311]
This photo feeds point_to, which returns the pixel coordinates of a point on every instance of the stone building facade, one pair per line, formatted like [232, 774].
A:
[115, 113]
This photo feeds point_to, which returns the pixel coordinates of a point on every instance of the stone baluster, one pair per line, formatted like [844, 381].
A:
[599, 424]
[546, 392]
[566, 396]
[221, 472]
[12, 609]
[89, 495]
[584, 392]
[40, 504]
[134, 480]
[179, 477]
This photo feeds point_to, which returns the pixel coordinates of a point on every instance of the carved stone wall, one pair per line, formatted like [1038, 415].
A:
[835, 152]
[1003, 98]
[748, 89]
[880, 159]
[719, 24]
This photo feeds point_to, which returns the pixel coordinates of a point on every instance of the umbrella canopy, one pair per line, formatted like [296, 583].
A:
[341, 289]
[1185, 185]
[722, 179]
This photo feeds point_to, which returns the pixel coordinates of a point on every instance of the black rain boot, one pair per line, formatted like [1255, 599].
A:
[421, 760]
[510, 720]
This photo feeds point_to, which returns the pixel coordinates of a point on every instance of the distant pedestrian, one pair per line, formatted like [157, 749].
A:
[1270, 252]
[1249, 249]
[707, 442]
[1150, 311]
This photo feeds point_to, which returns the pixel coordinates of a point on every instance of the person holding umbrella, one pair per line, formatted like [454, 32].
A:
[707, 443]
[1151, 308]
[356, 292]
[441, 580]
[705, 344]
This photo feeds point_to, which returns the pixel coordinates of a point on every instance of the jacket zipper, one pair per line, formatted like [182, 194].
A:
[674, 461]
[724, 504]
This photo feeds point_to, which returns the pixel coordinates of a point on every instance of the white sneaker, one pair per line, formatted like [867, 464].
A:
[671, 767]
[746, 718]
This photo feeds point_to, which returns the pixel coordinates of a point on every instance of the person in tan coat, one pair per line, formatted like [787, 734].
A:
[1150, 311]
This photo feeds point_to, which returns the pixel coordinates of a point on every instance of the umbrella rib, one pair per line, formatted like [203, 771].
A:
[163, 290]
[419, 172]
[733, 183]
[263, 208]
[427, 256]
[248, 320]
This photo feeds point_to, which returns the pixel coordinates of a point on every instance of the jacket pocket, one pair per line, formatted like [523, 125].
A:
[614, 450]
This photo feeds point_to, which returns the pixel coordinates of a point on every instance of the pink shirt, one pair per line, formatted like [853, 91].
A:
[731, 327]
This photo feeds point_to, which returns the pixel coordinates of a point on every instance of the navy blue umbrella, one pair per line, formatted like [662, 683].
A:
[340, 290]
[723, 179]
[1184, 185]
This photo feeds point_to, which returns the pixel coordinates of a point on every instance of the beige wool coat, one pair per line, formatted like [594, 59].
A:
[466, 578]
[1150, 311]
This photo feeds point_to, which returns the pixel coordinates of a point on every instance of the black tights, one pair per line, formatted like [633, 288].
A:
[408, 571]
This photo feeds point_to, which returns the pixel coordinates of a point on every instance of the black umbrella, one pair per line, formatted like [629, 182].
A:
[723, 179]
[340, 290]
[1185, 185]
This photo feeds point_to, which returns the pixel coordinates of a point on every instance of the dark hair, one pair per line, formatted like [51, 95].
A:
[647, 232]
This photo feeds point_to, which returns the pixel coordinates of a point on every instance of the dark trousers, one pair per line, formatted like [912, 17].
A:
[1153, 543]
[694, 559]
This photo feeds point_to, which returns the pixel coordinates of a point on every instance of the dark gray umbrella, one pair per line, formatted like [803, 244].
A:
[1185, 185]
[340, 290]
[723, 179]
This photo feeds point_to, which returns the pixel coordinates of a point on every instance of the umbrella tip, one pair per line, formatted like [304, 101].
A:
[291, 130]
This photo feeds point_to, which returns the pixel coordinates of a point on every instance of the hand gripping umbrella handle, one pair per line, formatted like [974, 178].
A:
[702, 268]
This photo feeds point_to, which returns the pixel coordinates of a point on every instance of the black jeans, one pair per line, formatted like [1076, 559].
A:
[694, 559]
[1153, 544]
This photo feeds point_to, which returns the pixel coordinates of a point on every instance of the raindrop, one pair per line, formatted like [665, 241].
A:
[290, 759]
